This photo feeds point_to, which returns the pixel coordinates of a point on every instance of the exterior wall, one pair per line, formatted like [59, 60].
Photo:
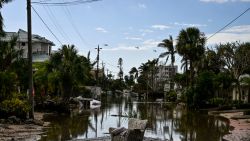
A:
[41, 47]
[245, 93]
[163, 75]
[40, 51]
[24, 46]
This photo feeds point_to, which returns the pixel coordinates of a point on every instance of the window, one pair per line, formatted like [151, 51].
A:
[23, 43]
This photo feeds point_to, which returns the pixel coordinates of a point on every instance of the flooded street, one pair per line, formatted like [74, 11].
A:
[166, 121]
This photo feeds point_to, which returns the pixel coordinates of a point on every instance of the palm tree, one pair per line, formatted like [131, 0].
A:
[134, 72]
[120, 74]
[8, 54]
[190, 45]
[168, 44]
[68, 70]
[148, 71]
[2, 2]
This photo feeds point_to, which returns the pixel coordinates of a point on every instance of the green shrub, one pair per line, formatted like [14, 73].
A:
[15, 107]
[171, 96]
[217, 101]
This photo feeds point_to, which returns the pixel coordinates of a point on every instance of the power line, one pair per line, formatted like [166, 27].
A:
[229, 23]
[71, 21]
[76, 2]
[55, 23]
[46, 25]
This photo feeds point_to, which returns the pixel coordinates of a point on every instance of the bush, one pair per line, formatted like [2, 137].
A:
[15, 107]
[217, 101]
[171, 96]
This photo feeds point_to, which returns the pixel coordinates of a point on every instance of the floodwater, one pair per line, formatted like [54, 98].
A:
[166, 121]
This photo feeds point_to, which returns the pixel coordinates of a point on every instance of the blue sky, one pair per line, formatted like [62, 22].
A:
[126, 24]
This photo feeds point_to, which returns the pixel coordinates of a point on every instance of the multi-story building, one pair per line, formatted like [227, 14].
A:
[164, 75]
[41, 47]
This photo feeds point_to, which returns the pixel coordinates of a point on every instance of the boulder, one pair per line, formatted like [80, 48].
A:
[38, 122]
[14, 119]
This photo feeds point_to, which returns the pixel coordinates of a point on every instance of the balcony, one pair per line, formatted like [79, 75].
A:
[40, 56]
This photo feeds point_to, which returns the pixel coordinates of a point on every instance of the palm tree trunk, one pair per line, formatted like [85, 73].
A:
[191, 73]
[186, 68]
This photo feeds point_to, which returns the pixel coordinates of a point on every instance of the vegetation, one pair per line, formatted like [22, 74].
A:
[209, 74]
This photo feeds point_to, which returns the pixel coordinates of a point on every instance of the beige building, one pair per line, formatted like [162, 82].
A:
[163, 76]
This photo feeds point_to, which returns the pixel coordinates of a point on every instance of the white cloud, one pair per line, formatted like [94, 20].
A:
[239, 29]
[146, 45]
[88, 7]
[150, 43]
[189, 25]
[133, 38]
[146, 30]
[224, 1]
[100, 29]
[228, 37]
[122, 47]
[236, 33]
[160, 27]
[217, 1]
[210, 20]
[141, 5]
[126, 33]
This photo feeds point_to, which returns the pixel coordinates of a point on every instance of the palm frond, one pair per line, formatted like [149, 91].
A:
[164, 54]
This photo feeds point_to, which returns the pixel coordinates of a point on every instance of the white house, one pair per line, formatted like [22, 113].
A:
[41, 47]
[244, 88]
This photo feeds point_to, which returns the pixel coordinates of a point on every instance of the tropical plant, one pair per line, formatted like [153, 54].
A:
[190, 45]
[169, 45]
[147, 73]
[9, 54]
[64, 73]
[235, 57]
[2, 2]
[120, 73]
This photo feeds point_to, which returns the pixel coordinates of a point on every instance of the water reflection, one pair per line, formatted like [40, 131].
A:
[166, 121]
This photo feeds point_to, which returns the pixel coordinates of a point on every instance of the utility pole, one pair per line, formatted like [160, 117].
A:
[31, 96]
[97, 66]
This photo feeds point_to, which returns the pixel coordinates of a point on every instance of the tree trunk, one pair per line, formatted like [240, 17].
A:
[239, 90]
[191, 73]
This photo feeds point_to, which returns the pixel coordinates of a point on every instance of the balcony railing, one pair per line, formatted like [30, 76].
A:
[40, 53]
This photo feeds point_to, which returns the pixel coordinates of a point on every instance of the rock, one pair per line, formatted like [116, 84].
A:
[2, 121]
[29, 121]
[14, 119]
[38, 122]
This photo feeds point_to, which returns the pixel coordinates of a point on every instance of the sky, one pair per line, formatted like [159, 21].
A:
[130, 29]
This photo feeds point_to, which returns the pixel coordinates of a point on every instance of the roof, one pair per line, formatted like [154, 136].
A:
[22, 36]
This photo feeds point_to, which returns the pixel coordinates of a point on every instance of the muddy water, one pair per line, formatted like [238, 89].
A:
[166, 121]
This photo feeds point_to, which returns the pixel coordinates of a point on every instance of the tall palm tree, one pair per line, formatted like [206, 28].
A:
[2, 2]
[120, 63]
[148, 71]
[134, 72]
[68, 69]
[191, 45]
[169, 45]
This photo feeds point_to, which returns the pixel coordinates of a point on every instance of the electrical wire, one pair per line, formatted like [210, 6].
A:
[229, 23]
[70, 3]
[55, 23]
[46, 25]
[71, 21]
